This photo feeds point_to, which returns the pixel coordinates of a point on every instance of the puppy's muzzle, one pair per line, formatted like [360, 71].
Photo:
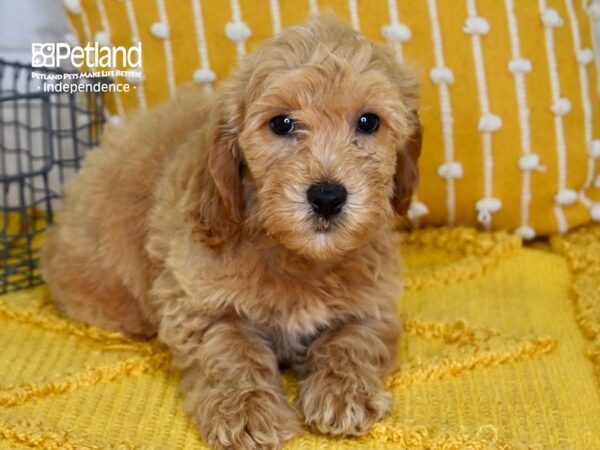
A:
[326, 198]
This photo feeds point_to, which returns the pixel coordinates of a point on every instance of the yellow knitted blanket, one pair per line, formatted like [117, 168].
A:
[501, 350]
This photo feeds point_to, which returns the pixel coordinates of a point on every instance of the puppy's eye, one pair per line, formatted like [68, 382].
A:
[368, 123]
[282, 125]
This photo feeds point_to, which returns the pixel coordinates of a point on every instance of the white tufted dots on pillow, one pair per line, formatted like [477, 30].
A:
[596, 212]
[519, 65]
[510, 96]
[561, 106]
[417, 209]
[204, 76]
[450, 170]
[135, 76]
[489, 122]
[160, 30]
[585, 56]
[552, 19]
[237, 31]
[476, 25]
[525, 232]
[486, 207]
[441, 74]
[531, 161]
[566, 197]
[594, 149]
[594, 10]
[396, 32]
[102, 38]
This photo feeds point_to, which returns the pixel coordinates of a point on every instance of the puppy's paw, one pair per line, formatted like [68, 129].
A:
[250, 418]
[342, 405]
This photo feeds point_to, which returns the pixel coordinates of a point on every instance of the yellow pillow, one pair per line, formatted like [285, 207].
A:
[509, 90]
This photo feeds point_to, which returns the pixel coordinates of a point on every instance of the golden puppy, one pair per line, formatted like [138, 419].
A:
[254, 228]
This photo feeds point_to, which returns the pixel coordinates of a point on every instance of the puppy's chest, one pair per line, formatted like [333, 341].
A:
[291, 313]
[294, 307]
[288, 316]
[291, 307]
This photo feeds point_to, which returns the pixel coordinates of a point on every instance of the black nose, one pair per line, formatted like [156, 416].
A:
[326, 199]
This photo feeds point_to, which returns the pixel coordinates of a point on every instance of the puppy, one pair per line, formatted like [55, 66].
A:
[254, 228]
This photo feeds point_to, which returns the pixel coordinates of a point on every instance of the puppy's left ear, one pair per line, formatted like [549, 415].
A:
[224, 159]
[406, 177]
[216, 205]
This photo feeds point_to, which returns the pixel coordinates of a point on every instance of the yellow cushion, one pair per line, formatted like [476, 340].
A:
[501, 350]
[470, 165]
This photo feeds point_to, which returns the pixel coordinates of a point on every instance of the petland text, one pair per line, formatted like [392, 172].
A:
[51, 55]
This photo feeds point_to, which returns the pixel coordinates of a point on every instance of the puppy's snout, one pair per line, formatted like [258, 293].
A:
[326, 198]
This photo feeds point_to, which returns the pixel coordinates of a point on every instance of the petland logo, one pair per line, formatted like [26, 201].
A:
[104, 67]
[93, 56]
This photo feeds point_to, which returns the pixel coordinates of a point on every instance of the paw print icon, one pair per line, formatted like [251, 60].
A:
[43, 55]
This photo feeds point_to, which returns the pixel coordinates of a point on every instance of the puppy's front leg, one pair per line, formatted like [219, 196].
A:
[343, 392]
[233, 388]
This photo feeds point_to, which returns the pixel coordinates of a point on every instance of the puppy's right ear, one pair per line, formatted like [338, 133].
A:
[218, 212]
[406, 177]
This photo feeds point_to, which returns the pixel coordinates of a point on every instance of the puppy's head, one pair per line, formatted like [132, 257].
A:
[324, 125]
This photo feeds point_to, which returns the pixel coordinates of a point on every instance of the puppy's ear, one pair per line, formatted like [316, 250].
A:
[224, 159]
[216, 206]
[406, 177]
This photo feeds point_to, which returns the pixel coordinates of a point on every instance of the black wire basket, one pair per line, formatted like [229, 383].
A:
[43, 138]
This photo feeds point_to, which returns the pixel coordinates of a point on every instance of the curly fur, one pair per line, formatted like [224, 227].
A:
[191, 222]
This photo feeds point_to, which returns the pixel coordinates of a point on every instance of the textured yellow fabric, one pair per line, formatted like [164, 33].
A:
[526, 64]
[501, 350]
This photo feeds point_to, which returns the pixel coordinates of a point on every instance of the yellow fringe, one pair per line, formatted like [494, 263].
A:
[479, 252]
[88, 376]
[39, 436]
[418, 371]
[473, 346]
[109, 340]
[582, 252]
[457, 331]
[425, 438]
